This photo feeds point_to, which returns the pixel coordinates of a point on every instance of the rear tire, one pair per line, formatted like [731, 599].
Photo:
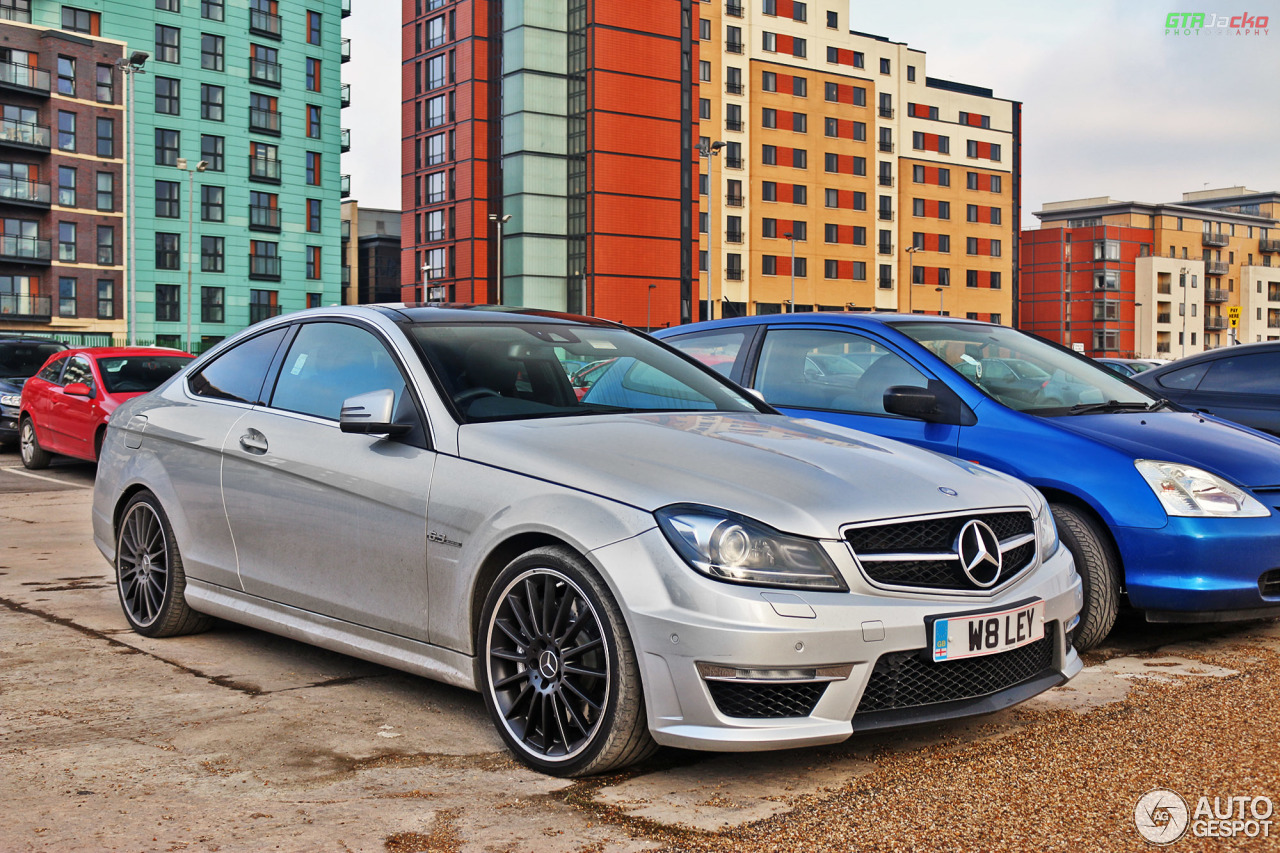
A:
[1098, 566]
[149, 575]
[33, 456]
[558, 670]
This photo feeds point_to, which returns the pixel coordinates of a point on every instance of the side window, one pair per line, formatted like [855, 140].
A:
[827, 369]
[1185, 379]
[1244, 374]
[328, 363]
[78, 370]
[719, 350]
[239, 372]
[53, 370]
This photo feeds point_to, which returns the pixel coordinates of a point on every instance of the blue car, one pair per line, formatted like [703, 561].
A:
[1176, 510]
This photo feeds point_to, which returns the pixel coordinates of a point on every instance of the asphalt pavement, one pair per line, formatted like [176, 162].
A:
[240, 740]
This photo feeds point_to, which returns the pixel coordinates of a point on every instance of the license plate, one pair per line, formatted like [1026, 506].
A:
[975, 634]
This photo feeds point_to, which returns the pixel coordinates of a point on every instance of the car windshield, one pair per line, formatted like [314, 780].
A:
[510, 371]
[132, 373]
[22, 360]
[1024, 372]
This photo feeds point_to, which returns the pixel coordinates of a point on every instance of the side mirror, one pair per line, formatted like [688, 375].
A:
[759, 395]
[371, 414]
[78, 389]
[911, 402]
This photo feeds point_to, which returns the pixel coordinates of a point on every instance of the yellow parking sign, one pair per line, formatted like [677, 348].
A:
[1233, 315]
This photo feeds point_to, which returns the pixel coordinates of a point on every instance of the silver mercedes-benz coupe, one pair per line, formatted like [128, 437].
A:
[658, 558]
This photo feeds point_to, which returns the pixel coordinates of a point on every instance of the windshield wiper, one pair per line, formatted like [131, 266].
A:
[1116, 406]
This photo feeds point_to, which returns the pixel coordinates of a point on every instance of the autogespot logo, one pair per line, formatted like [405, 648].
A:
[1162, 817]
[1209, 23]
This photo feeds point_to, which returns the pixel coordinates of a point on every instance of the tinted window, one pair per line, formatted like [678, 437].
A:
[717, 350]
[332, 362]
[78, 370]
[22, 360]
[238, 373]
[828, 369]
[1258, 373]
[137, 372]
[1185, 379]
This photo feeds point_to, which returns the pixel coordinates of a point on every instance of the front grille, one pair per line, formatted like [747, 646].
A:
[933, 537]
[911, 679]
[1269, 584]
[759, 701]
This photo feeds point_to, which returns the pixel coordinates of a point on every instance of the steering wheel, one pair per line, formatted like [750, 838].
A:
[474, 394]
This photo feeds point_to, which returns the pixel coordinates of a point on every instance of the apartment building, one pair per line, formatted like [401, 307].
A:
[1144, 279]
[61, 182]
[370, 254]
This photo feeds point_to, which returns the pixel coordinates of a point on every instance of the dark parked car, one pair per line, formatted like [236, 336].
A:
[20, 358]
[1240, 383]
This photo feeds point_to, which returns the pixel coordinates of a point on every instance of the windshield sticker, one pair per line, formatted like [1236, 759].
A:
[299, 363]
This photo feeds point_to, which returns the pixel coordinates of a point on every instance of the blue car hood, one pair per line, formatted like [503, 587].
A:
[1241, 455]
[11, 386]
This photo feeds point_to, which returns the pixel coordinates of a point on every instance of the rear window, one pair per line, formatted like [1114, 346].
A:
[1258, 373]
[22, 360]
[135, 373]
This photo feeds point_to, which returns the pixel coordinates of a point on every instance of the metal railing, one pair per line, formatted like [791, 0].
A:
[264, 169]
[24, 76]
[884, 248]
[264, 71]
[344, 184]
[264, 23]
[733, 9]
[733, 162]
[733, 236]
[733, 124]
[886, 112]
[733, 88]
[1212, 238]
[733, 200]
[262, 218]
[733, 274]
[264, 121]
[1269, 245]
[24, 133]
[886, 180]
[1163, 318]
[886, 146]
[733, 47]
[1215, 295]
[344, 95]
[346, 8]
[344, 140]
[886, 214]
[264, 267]
[25, 248]
[13, 189]
[1215, 268]
[1215, 324]
[259, 311]
[15, 305]
[346, 50]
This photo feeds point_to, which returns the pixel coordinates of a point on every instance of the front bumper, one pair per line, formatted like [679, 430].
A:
[8, 424]
[679, 620]
[1202, 565]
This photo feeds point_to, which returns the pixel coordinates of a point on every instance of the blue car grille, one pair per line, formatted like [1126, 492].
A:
[932, 537]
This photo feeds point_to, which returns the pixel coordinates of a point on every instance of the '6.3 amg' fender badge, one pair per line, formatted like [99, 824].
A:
[432, 536]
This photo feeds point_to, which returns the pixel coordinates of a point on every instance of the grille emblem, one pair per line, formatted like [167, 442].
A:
[979, 551]
[947, 491]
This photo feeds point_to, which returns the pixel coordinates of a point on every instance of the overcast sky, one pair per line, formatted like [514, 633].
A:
[1111, 104]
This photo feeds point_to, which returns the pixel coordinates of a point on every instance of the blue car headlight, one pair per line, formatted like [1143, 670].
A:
[1187, 491]
[729, 547]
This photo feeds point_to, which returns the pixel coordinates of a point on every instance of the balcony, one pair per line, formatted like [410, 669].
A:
[25, 250]
[21, 134]
[344, 95]
[17, 77]
[264, 121]
[1163, 318]
[733, 10]
[733, 236]
[885, 248]
[264, 72]
[262, 23]
[733, 88]
[887, 147]
[259, 311]
[1269, 245]
[886, 180]
[264, 170]
[24, 193]
[264, 267]
[1215, 268]
[733, 47]
[346, 50]
[345, 186]
[346, 8]
[733, 124]
[733, 200]
[344, 140]
[733, 274]
[1215, 295]
[885, 214]
[1210, 238]
[264, 218]
[1215, 324]
[15, 306]
[1164, 287]
[733, 162]
[1162, 347]
[886, 112]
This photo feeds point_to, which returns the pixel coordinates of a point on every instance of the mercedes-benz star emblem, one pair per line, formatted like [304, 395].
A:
[547, 664]
[978, 548]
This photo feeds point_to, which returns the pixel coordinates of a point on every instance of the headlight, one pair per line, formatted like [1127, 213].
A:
[14, 400]
[729, 547]
[1188, 491]
[1046, 533]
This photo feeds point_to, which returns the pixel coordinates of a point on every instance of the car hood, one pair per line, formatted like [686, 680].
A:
[12, 385]
[1238, 453]
[799, 476]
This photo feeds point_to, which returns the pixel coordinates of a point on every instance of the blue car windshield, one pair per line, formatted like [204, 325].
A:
[1024, 372]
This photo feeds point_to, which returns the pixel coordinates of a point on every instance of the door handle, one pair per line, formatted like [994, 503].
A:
[254, 442]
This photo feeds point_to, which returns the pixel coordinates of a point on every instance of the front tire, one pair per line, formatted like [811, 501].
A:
[558, 670]
[1098, 566]
[149, 574]
[33, 456]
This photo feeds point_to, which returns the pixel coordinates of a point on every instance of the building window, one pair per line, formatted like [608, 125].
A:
[211, 101]
[704, 29]
[167, 199]
[67, 297]
[769, 81]
[168, 41]
[262, 305]
[167, 310]
[859, 131]
[106, 245]
[859, 235]
[80, 21]
[168, 251]
[884, 66]
[66, 131]
[211, 254]
[971, 245]
[66, 76]
[831, 197]
[436, 114]
[264, 65]
[168, 96]
[769, 191]
[212, 208]
[106, 90]
[313, 121]
[769, 154]
[313, 28]
[166, 147]
[106, 299]
[995, 248]
[769, 117]
[944, 210]
[264, 113]
[212, 52]
[67, 241]
[833, 20]
[66, 186]
[106, 138]
[911, 74]
[313, 168]
[770, 42]
[799, 194]
[212, 10]
[799, 47]
[313, 75]
[106, 191]
[704, 71]
[768, 265]
[313, 262]
[800, 122]
[313, 215]
[313, 300]
[211, 151]
[212, 305]
[169, 5]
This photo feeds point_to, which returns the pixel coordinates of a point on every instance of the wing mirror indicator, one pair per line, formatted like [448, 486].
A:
[371, 414]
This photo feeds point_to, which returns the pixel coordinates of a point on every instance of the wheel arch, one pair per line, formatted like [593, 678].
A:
[1060, 496]
[498, 558]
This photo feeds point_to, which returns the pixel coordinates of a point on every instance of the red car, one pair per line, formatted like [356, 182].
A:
[66, 405]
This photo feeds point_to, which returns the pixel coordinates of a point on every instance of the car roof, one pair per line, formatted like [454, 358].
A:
[118, 352]
[25, 340]
[1220, 352]
[846, 318]
[458, 312]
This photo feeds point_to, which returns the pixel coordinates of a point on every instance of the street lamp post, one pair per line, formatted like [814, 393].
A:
[1182, 284]
[1137, 329]
[792, 240]
[648, 317]
[129, 67]
[940, 311]
[911, 279]
[710, 149]
[500, 220]
[191, 183]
